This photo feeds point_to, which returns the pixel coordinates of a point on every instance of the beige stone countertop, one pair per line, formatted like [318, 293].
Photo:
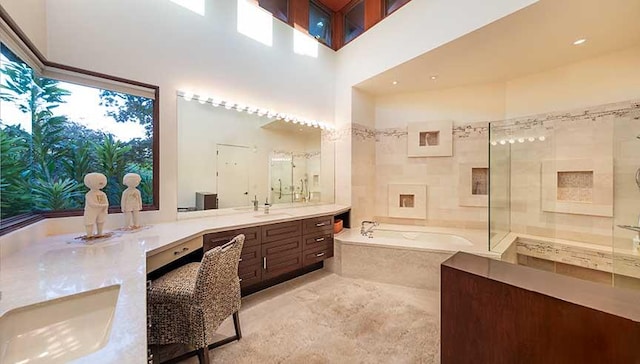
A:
[59, 265]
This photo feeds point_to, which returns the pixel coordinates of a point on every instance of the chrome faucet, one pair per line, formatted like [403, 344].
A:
[368, 232]
[636, 239]
[266, 206]
[255, 203]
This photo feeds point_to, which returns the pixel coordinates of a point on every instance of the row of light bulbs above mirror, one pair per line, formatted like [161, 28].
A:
[239, 107]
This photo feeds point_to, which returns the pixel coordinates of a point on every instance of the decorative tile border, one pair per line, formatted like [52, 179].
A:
[605, 261]
[548, 120]
[364, 133]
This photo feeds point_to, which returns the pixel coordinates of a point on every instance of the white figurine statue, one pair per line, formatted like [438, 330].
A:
[96, 204]
[131, 201]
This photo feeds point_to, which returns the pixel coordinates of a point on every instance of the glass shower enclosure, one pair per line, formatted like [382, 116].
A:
[564, 194]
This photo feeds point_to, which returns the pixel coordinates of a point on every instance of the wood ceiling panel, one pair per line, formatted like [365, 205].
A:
[334, 5]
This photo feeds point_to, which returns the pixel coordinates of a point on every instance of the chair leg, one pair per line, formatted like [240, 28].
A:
[203, 355]
[236, 324]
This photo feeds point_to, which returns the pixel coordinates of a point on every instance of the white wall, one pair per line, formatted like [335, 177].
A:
[609, 78]
[162, 43]
[465, 106]
[416, 28]
[31, 17]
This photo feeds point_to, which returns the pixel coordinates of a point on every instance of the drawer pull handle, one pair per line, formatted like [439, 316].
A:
[319, 254]
[321, 224]
[264, 263]
[239, 279]
[240, 259]
[319, 239]
[181, 251]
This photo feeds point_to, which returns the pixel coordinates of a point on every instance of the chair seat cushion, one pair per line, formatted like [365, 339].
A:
[175, 286]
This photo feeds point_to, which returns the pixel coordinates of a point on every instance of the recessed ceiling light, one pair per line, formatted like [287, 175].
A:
[434, 77]
[579, 41]
[395, 82]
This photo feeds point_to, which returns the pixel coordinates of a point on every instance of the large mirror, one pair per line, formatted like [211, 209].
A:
[229, 158]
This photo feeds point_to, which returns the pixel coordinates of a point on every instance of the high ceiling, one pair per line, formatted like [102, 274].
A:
[532, 40]
[334, 5]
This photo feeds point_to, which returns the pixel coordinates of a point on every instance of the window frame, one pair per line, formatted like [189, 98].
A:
[345, 11]
[45, 68]
[289, 20]
[385, 9]
[330, 14]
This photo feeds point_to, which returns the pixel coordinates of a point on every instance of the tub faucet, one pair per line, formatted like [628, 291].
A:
[368, 232]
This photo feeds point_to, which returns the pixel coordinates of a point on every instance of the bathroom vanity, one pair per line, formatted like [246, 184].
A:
[281, 245]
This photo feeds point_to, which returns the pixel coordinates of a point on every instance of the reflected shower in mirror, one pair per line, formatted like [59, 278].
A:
[227, 158]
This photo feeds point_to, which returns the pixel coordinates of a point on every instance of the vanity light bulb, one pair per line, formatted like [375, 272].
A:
[532, 139]
[511, 141]
[203, 99]
[239, 108]
[228, 105]
[521, 140]
[187, 96]
[503, 142]
[542, 138]
[494, 143]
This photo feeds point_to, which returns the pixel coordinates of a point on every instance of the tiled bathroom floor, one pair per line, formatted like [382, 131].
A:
[325, 318]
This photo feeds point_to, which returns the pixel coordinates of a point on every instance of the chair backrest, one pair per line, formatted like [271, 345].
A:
[218, 274]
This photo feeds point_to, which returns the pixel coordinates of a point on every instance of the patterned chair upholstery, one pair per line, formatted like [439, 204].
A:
[188, 304]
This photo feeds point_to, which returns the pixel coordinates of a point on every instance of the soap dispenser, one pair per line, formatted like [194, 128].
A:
[266, 206]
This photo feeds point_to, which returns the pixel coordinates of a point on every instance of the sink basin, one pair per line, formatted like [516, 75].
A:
[59, 330]
[277, 214]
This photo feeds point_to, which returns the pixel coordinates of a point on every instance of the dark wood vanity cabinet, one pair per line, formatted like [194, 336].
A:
[277, 250]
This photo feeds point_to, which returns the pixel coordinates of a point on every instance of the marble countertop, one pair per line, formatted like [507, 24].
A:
[59, 266]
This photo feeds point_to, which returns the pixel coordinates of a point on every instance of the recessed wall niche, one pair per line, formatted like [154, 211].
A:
[430, 139]
[578, 186]
[575, 186]
[479, 181]
[408, 201]
[473, 185]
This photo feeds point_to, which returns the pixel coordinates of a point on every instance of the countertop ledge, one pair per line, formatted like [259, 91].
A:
[59, 266]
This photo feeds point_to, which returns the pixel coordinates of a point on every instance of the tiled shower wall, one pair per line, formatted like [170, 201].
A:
[607, 131]
[380, 158]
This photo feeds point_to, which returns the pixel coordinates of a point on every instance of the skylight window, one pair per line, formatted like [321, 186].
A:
[255, 23]
[197, 6]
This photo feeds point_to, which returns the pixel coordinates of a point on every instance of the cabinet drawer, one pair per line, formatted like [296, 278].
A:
[281, 231]
[276, 265]
[250, 275]
[250, 256]
[167, 256]
[318, 254]
[252, 237]
[282, 247]
[320, 225]
[313, 241]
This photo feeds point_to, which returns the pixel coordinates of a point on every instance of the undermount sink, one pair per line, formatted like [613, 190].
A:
[59, 330]
[278, 214]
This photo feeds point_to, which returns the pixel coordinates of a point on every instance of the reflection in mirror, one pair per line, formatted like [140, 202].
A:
[226, 159]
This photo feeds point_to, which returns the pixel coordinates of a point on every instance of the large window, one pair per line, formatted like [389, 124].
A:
[320, 23]
[354, 22]
[53, 132]
[392, 5]
[279, 8]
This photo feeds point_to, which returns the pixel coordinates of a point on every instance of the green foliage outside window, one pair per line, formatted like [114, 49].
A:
[43, 169]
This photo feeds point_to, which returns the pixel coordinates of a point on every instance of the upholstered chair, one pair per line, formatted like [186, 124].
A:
[188, 304]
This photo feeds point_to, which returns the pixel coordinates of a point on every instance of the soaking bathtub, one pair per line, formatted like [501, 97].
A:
[404, 255]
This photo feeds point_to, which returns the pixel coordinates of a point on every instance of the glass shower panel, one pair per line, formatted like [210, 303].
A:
[626, 238]
[499, 185]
